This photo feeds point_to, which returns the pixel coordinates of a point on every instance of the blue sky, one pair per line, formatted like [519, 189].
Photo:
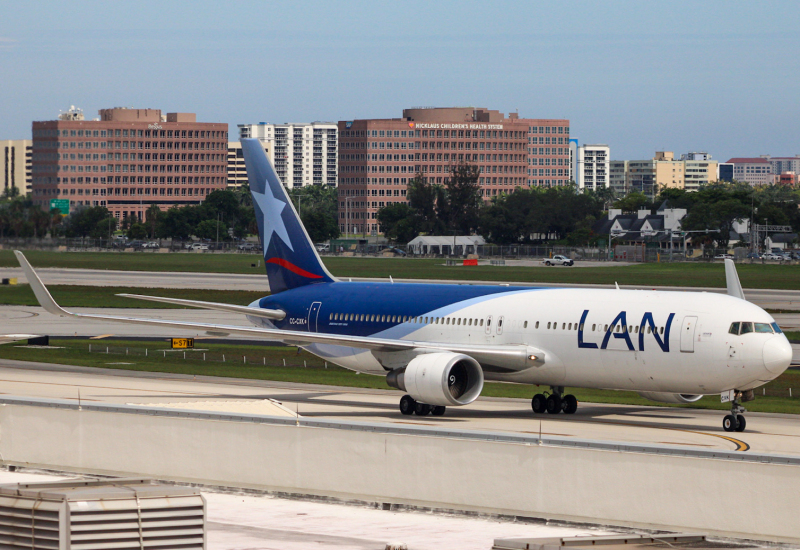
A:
[639, 76]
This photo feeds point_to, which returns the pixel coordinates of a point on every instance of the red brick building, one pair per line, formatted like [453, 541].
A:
[128, 160]
[377, 157]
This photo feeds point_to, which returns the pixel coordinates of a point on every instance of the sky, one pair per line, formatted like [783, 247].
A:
[640, 76]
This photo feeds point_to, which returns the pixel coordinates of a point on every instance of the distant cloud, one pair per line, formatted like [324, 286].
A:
[7, 43]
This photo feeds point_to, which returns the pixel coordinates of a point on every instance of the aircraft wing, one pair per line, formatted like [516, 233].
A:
[244, 310]
[516, 357]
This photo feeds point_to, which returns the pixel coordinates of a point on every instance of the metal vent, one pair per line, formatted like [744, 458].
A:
[101, 515]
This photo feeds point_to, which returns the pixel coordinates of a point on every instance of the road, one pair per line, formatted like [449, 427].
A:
[766, 433]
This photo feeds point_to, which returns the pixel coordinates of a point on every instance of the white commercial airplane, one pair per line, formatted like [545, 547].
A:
[438, 343]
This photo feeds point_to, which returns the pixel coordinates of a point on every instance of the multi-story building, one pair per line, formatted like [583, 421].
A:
[302, 154]
[15, 165]
[724, 171]
[618, 170]
[237, 171]
[784, 164]
[691, 172]
[590, 166]
[753, 170]
[377, 157]
[788, 178]
[128, 160]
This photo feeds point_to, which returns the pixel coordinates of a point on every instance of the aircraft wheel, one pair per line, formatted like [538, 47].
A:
[421, 409]
[570, 404]
[741, 423]
[407, 404]
[438, 410]
[539, 403]
[729, 423]
[553, 404]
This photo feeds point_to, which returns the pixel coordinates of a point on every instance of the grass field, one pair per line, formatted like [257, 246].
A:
[658, 274]
[267, 363]
[104, 296]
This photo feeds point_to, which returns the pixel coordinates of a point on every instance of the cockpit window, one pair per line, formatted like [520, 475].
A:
[746, 327]
[763, 327]
[734, 328]
[776, 328]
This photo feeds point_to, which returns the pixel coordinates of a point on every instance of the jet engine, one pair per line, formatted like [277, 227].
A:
[670, 397]
[440, 379]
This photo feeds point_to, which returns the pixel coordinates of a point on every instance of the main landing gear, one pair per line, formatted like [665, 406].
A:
[555, 402]
[409, 406]
[735, 421]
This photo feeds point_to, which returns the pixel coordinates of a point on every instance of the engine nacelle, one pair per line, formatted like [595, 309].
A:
[440, 379]
[670, 397]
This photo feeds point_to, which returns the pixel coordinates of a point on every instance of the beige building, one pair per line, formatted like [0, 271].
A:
[15, 164]
[237, 171]
[690, 172]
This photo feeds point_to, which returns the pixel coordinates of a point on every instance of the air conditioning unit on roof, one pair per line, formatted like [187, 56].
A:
[90, 515]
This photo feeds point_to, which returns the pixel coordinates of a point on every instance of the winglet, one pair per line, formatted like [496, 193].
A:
[39, 290]
[732, 280]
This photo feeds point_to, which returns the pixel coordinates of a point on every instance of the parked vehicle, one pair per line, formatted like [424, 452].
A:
[199, 246]
[754, 256]
[775, 257]
[323, 247]
[248, 247]
[723, 257]
[151, 244]
[558, 259]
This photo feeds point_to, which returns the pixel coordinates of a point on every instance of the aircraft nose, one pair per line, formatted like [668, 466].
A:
[777, 354]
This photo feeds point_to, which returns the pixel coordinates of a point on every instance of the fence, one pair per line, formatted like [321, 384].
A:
[122, 245]
[618, 252]
[209, 356]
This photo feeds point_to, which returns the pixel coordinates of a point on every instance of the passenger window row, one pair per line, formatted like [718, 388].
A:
[368, 318]
[745, 327]
[461, 321]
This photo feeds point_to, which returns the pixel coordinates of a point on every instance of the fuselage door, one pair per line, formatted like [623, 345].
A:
[687, 334]
[313, 314]
[500, 325]
[489, 324]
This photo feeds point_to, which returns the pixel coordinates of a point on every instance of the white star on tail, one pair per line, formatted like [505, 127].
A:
[272, 208]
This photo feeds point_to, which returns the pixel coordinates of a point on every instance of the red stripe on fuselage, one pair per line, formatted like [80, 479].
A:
[293, 268]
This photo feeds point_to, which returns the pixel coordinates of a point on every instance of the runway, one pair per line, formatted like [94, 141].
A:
[766, 433]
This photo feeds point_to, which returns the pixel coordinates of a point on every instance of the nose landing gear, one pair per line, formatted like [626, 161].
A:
[735, 421]
[554, 403]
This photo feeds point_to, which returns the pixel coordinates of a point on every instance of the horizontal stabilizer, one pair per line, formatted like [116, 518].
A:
[245, 310]
[732, 280]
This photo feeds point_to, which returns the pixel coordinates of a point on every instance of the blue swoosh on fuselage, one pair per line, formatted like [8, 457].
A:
[401, 299]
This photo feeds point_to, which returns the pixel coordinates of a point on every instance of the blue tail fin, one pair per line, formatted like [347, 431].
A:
[289, 255]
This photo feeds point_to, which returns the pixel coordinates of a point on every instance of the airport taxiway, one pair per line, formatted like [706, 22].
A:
[34, 320]
[257, 282]
[766, 433]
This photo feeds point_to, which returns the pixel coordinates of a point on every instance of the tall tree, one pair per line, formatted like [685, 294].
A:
[399, 222]
[463, 198]
[426, 201]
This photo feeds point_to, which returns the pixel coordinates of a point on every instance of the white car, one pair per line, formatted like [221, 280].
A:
[776, 257]
[559, 260]
[199, 246]
[723, 257]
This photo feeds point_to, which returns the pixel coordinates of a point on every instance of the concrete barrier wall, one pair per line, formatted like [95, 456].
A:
[745, 499]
